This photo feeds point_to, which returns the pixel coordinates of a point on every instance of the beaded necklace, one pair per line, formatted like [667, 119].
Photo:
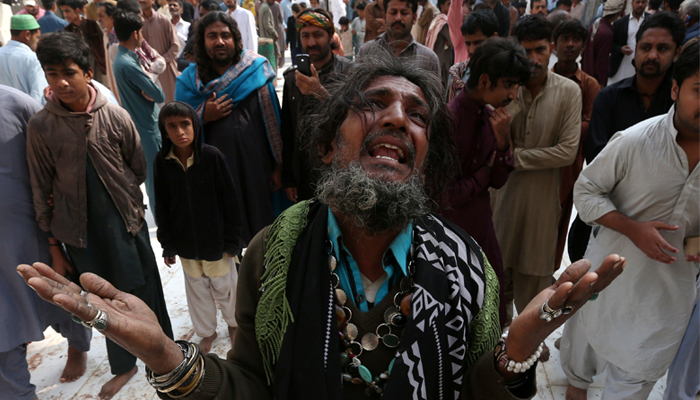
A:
[395, 316]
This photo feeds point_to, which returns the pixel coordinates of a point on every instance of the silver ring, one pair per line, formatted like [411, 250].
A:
[100, 321]
[547, 313]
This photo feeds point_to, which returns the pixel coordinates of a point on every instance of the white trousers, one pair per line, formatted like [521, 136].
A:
[580, 363]
[202, 295]
[683, 381]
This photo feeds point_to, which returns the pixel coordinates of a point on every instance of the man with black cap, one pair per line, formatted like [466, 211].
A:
[19, 67]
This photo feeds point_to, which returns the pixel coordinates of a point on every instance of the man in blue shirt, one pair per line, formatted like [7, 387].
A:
[19, 67]
[139, 94]
[50, 23]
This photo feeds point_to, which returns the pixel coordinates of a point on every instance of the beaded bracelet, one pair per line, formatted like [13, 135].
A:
[512, 366]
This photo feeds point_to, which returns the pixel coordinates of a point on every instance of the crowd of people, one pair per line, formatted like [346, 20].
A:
[391, 229]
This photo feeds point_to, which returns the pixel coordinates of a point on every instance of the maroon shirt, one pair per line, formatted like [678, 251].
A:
[469, 204]
[596, 52]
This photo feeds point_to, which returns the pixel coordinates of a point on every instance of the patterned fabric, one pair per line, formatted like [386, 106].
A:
[315, 19]
[453, 320]
[146, 56]
[457, 82]
[113, 38]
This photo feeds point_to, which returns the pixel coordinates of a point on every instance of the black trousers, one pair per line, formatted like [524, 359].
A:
[120, 360]
[579, 234]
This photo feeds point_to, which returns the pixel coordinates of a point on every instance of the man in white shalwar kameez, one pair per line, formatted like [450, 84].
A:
[642, 195]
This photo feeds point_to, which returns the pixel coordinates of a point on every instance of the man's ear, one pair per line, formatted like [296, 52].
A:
[330, 153]
[484, 81]
[674, 91]
[678, 52]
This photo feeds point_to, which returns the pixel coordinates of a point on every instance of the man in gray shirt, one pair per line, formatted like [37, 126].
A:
[400, 16]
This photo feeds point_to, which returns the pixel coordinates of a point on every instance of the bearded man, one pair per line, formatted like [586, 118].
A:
[363, 291]
[302, 92]
[231, 89]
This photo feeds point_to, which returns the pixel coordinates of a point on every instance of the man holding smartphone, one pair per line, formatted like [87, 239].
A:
[304, 86]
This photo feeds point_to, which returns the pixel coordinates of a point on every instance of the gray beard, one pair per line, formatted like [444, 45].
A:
[375, 204]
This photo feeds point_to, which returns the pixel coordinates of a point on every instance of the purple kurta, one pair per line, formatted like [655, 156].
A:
[469, 202]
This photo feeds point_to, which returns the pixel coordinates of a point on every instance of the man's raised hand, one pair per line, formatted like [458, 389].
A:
[131, 324]
[500, 122]
[311, 85]
[573, 289]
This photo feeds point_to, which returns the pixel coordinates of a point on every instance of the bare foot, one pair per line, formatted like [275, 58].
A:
[231, 334]
[574, 393]
[115, 384]
[75, 365]
[205, 344]
[544, 357]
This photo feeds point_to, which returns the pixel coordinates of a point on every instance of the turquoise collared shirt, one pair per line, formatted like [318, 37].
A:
[396, 255]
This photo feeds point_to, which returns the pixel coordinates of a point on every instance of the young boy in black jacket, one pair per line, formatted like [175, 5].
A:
[198, 218]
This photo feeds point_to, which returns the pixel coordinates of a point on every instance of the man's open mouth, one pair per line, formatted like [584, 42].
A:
[386, 151]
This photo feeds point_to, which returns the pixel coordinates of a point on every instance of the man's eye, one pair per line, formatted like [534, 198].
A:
[419, 116]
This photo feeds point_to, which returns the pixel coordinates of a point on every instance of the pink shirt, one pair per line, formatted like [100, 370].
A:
[38, 15]
[454, 21]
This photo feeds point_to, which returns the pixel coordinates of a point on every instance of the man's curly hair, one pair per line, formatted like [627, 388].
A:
[320, 127]
[204, 62]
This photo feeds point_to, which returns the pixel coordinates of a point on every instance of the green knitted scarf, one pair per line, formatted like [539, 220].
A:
[273, 314]
[484, 330]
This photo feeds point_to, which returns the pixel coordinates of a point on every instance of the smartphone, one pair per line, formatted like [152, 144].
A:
[304, 64]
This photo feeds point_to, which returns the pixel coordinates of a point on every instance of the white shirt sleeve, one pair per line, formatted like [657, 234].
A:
[252, 41]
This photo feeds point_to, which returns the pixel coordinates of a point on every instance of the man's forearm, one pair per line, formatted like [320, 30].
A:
[618, 222]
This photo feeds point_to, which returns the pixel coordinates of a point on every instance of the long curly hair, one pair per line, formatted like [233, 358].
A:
[204, 62]
[320, 127]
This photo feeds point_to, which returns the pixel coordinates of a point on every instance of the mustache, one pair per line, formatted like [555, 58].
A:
[651, 62]
[398, 23]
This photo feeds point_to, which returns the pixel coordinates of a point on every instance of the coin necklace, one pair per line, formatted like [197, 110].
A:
[395, 316]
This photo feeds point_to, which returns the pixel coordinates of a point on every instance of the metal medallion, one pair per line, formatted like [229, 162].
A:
[332, 262]
[369, 341]
[342, 297]
[351, 331]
